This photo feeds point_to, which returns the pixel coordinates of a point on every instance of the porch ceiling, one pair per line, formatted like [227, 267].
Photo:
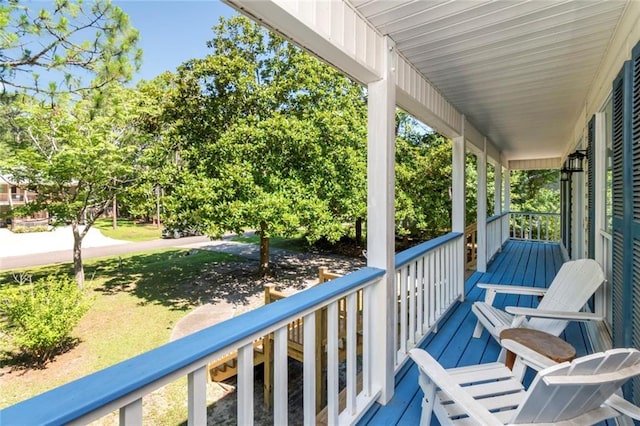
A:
[518, 70]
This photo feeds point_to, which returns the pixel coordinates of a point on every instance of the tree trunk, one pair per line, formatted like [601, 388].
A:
[77, 255]
[359, 232]
[264, 251]
[405, 237]
[114, 213]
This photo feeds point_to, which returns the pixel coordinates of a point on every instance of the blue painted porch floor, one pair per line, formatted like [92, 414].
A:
[519, 263]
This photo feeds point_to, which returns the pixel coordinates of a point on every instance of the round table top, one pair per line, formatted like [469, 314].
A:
[543, 343]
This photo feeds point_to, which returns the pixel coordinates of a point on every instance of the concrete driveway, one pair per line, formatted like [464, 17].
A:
[44, 242]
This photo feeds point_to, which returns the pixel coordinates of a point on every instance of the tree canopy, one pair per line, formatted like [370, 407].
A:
[75, 156]
[268, 138]
[69, 46]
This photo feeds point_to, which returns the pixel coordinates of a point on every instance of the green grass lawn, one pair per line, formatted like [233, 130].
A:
[128, 230]
[136, 301]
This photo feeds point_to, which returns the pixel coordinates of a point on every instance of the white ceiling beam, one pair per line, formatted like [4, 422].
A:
[332, 31]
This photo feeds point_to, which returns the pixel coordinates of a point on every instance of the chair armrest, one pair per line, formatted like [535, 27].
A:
[513, 289]
[493, 289]
[562, 315]
[442, 379]
[623, 406]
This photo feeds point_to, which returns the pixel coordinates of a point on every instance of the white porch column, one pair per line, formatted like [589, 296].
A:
[481, 213]
[458, 205]
[497, 189]
[381, 222]
[457, 183]
[507, 205]
[497, 203]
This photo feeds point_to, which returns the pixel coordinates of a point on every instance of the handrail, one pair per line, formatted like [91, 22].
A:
[88, 394]
[496, 217]
[536, 226]
[536, 213]
[406, 256]
[429, 280]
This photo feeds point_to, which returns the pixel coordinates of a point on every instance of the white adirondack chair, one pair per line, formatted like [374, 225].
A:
[578, 393]
[573, 285]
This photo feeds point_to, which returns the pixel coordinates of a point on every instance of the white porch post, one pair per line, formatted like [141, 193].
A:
[507, 205]
[381, 221]
[458, 204]
[481, 213]
[497, 201]
[497, 192]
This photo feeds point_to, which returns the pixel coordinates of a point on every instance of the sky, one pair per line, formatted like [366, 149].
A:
[172, 32]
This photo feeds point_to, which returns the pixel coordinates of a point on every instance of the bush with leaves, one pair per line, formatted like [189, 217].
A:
[38, 317]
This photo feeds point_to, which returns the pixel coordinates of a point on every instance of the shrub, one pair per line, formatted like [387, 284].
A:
[39, 317]
[28, 229]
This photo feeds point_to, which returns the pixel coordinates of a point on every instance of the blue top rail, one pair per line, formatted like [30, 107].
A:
[496, 217]
[87, 394]
[413, 253]
[537, 213]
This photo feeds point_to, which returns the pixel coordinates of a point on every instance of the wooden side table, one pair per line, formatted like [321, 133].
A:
[543, 343]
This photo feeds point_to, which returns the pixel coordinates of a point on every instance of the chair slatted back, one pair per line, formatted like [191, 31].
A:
[568, 390]
[570, 290]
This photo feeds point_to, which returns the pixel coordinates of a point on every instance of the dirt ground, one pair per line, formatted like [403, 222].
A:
[294, 272]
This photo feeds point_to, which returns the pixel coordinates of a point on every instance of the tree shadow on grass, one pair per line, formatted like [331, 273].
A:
[182, 279]
[178, 279]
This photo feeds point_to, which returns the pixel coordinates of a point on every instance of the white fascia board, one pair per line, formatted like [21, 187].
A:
[536, 164]
[330, 30]
[420, 98]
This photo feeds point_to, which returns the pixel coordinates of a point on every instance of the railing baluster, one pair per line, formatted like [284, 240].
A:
[332, 364]
[245, 384]
[432, 290]
[352, 353]
[403, 310]
[367, 350]
[421, 306]
[438, 283]
[309, 370]
[197, 397]
[131, 414]
[280, 378]
[412, 305]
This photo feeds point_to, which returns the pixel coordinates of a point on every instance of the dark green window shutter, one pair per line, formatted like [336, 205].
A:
[626, 211]
[619, 261]
[635, 225]
[591, 193]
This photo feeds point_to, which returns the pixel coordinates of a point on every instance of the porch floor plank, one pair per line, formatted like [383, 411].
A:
[519, 263]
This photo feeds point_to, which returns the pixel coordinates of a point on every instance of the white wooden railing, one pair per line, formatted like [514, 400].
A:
[495, 234]
[429, 281]
[535, 226]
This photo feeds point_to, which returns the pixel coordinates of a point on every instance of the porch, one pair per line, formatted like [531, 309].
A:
[521, 262]
[430, 315]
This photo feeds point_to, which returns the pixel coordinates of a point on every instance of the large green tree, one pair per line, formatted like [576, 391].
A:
[66, 46]
[268, 138]
[423, 180]
[76, 156]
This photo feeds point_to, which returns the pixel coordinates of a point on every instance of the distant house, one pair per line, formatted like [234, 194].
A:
[14, 195]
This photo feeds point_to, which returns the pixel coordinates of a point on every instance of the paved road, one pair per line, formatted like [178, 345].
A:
[37, 259]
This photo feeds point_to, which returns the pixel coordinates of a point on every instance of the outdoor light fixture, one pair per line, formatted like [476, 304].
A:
[574, 161]
[565, 174]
